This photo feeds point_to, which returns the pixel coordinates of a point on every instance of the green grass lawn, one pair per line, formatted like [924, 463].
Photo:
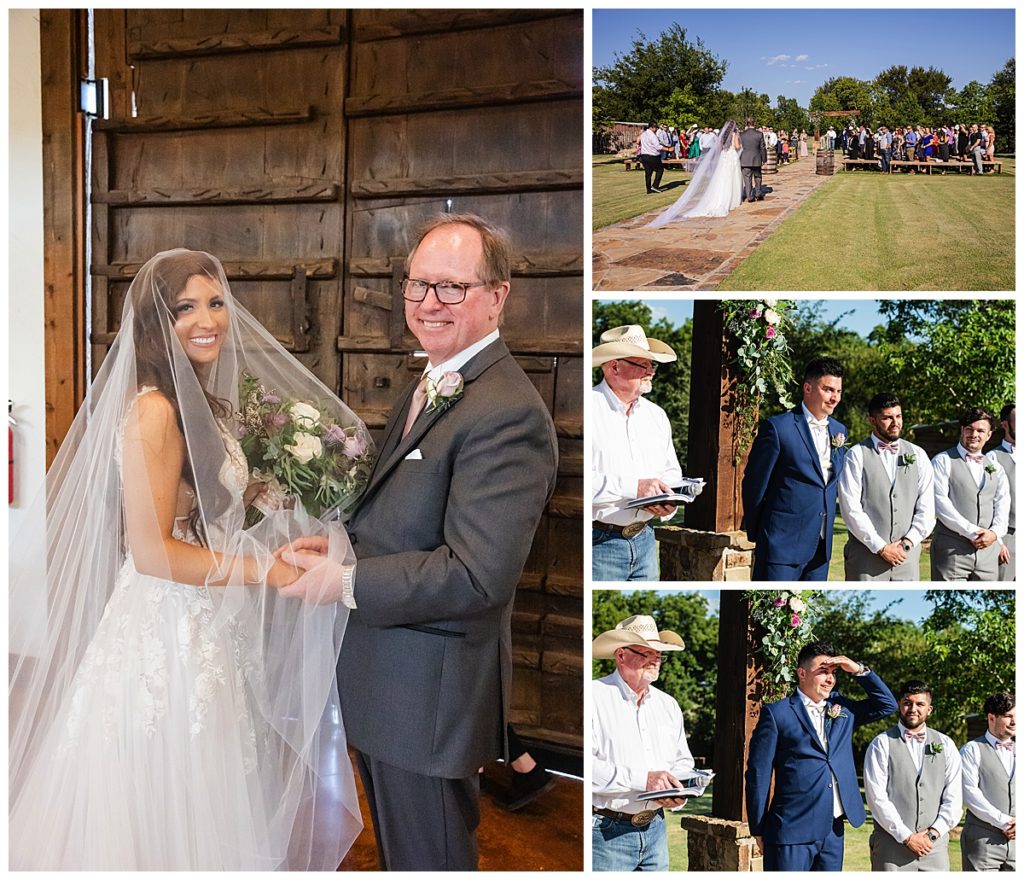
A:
[867, 231]
[856, 856]
[840, 535]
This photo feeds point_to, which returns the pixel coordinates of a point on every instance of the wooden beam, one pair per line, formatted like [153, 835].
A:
[225, 44]
[204, 196]
[63, 38]
[211, 119]
[548, 265]
[317, 268]
[465, 96]
[501, 182]
[419, 22]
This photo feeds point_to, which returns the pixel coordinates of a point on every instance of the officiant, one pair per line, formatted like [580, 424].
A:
[639, 745]
[632, 455]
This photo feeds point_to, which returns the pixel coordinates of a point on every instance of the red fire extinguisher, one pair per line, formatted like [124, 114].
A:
[11, 425]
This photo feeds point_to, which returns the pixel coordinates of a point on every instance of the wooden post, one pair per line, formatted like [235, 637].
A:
[711, 441]
[737, 704]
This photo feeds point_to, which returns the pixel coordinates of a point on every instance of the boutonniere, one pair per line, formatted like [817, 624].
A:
[444, 392]
[990, 468]
[933, 748]
[907, 459]
[835, 711]
[838, 441]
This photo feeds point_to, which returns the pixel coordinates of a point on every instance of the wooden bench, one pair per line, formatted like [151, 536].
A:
[861, 163]
[685, 164]
[952, 164]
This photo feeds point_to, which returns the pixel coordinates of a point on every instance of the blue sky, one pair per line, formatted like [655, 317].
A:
[792, 51]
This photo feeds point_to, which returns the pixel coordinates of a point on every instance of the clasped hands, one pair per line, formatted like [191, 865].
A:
[321, 580]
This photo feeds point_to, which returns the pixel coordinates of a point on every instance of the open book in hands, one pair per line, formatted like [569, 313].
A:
[690, 787]
[684, 493]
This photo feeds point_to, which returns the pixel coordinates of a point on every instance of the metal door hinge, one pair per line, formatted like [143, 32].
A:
[94, 97]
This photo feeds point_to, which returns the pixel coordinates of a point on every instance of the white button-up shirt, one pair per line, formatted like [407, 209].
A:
[649, 144]
[876, 775]
[949, 516]
[851, 484]
[822, 441]
[631, 738]
[457, 361]
[974, 800]
[626, 449]
[816, 711]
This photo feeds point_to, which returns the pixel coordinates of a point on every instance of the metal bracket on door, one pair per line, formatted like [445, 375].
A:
[300, 310]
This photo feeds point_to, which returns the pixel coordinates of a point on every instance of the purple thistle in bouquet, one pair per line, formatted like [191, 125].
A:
[300, 452]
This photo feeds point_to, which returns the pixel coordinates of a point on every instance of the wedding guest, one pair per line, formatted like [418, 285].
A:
[990, 150]
[651, 150]
[910, 138]
[779, 140]
[926, 146]
[913, 788]
[673, 137]
[806, 742]
[803, 144]
[961, 143]
[899, 147]
[1005, 456]
[943, 145]
[694, 150]
[989, 838]
[972, 505]
[639, 744]
[975, 148]
[830, 138]
[885, 147]
[632, 455]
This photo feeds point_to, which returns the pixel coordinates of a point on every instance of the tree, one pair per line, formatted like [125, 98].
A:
[789, 115]
[929, 88]
[948, 355]
[1003, 92]
[746, 103]
[641, 82]
[845, 93]
[973, 103]
[683, 109]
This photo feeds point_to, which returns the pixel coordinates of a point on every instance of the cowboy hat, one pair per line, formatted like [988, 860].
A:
[630, 341]
[639, 630]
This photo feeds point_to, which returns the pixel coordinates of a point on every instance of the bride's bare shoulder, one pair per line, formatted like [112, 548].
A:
[153, 417]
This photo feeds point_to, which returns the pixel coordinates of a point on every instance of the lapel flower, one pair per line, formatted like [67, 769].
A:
[838, 441]
[990, 468]
[835, 711]
[907, 459]
[933, 748]
[444, 392]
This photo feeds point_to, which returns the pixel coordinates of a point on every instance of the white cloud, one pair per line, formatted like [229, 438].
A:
[658, 312]
[802, 57]
[794, 82]
[775, 59]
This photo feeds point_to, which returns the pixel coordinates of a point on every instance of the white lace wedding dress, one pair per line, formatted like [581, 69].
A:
[716, 187]
[153, 760]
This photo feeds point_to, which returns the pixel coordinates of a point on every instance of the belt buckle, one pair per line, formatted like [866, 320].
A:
[632, 530]
[644, 817]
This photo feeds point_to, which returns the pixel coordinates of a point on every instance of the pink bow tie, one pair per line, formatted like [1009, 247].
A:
[889, 447]
[910, 736]
[978, 458]
[1008, 745]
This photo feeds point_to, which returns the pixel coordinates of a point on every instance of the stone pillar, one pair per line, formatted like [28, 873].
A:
[692, 555]
[719, 845]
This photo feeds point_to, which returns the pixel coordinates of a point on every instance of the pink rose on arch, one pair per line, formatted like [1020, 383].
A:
[754, 313]
[779, 601]
[770, 332]
[794, 621]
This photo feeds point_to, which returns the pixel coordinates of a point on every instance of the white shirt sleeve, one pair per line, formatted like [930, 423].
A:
[973, 799]
[613, 778]
[850, 487]
[952, 797]
[924, 514]
[945, 512]
[876, 770]
[681, 763]
[1001, 505]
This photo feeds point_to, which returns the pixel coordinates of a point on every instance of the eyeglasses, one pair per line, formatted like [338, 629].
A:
[448, 292]
[641, 365]
[655, 658]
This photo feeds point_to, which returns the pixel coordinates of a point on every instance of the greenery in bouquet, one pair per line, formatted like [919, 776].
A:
[762, 359]
[300, 451]
[785, 617]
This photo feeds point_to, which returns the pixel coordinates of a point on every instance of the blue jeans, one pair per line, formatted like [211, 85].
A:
[618, 846]
[886, 155]
[625, 559]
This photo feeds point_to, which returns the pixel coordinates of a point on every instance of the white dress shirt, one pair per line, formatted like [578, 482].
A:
[649, 144]
[876, 774]
[950, 517]
[822, 441]
[1010, 450]
[974, 800]
[631, 738]
[457, 361]
[626, 449]
[851, 482]
[817, 713]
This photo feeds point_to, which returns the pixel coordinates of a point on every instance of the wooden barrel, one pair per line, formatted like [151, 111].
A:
[771, 165]
[826, 163]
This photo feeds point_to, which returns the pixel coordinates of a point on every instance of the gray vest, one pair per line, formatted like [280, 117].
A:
[1006, 460]
[995, 784]
[890, 507]
[916, 796]
[974, 504]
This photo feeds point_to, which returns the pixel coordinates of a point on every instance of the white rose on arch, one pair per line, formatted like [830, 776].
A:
[797, 605]
[770, 303]
[771, 316]
[306, 447]
[305, 415]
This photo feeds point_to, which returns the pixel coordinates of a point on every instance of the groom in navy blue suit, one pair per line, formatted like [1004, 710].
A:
[791, 478]
[807, 740]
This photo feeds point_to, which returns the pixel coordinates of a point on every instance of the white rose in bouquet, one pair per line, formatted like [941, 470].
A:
[306, 447]
[304, 414]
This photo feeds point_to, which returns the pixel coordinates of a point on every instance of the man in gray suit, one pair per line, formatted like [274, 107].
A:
[912, 785]
[466, 465]
[753, 155]
[1005, 455]
[989, 838]
[972, 505]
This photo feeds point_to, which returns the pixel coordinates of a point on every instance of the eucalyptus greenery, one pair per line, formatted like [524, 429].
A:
[786, 617]
[759, 327]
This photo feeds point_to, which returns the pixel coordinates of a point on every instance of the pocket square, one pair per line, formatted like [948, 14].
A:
[415, 455]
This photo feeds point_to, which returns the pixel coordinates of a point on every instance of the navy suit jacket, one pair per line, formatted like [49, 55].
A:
[784, 742]
[785, 494]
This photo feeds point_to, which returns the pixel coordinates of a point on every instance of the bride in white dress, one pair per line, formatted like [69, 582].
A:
[167, 710]
[717, 183]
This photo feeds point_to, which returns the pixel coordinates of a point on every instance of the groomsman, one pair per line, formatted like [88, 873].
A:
[790, 482]
[913, 788]
[1004, 455]
[887, 499]
[988, 841]
[972, 505]
[806, 741]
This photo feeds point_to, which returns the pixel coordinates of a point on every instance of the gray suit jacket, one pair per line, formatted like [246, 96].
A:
[426, 663]
[753, 153]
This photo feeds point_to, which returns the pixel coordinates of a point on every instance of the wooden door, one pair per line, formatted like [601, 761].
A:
[303, 147]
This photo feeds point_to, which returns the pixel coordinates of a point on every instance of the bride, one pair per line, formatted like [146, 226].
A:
[716, 186]
[167, 710]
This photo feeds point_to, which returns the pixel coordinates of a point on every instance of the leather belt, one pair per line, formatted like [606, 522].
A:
[630, 531]
[637, 820]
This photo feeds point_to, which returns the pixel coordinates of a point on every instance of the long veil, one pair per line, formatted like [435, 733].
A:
[690, 203]
[118, 729]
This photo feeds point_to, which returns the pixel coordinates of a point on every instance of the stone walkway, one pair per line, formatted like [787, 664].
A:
[697, 253]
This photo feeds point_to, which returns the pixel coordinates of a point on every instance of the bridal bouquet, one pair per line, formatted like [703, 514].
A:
[300, 452]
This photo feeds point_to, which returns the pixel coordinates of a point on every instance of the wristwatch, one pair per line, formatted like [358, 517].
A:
[906, 545]
[933, 835]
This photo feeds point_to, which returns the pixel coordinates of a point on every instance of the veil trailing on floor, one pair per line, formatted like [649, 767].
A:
[705, 185]
[167, 708]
